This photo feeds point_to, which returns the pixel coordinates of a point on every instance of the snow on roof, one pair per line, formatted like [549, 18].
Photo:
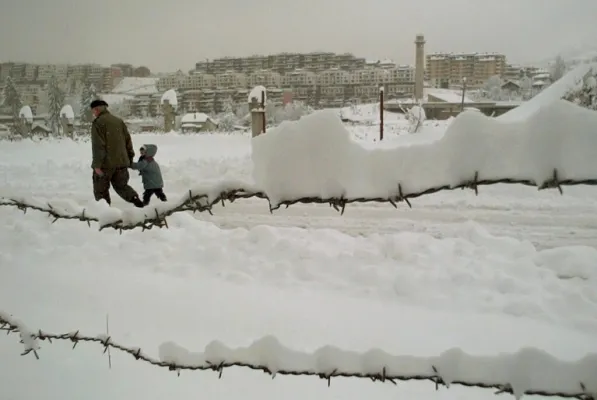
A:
[539, 83]
[194, 118]
[447, 95]
[136, 86]
[512, 82]
[41, 126]
[112, 98]
[67, 112]
[26, 113]
[256, 92]
[543, 75]
[170, 95]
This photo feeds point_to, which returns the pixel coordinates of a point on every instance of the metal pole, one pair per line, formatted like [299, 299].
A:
[463, 92]
[381, 113]
[263, 108]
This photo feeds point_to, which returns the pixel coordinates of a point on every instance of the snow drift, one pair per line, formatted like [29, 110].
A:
[572, 81]
[315, 156]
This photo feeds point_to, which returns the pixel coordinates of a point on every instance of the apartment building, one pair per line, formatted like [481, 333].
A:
[449, 69]
[332, 87]
[281, 63]
[126, 69]
[5, 69]
[265, 78]
[70, 76]
[517, 72]
[46, 71]
[231, 80]
[30, 93]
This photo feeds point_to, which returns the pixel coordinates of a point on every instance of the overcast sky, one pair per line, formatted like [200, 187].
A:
[167, 35]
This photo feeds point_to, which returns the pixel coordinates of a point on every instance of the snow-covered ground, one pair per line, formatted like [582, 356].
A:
[510, 268]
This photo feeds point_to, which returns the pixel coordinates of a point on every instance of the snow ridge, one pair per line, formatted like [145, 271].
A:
[529, 371]
[316, 157]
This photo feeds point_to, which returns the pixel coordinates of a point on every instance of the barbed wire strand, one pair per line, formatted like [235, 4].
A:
[29, 338]
[201, 202]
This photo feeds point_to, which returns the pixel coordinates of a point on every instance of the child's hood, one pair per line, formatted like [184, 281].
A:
[150, 150]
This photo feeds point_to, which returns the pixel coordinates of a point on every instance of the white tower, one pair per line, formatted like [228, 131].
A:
[419, 66]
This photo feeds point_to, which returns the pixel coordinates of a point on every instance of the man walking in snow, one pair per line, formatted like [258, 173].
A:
[113, 153]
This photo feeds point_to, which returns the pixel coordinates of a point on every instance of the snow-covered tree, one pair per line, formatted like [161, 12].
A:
[228, 105]
[88, 94]
[586, 94]
[416, 117]
[558, 68]
[227, 119]
[43, 103]
[493, 88]
[56, 98]
[526, 87]
[121, 109]
[11, 98]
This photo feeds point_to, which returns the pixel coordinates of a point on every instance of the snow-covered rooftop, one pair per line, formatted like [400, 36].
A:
[67, 112]
[26, 113]
[170, 95]
[196, 118]
[136, 86]
[447, 95]
[256, 92]
[113, 98]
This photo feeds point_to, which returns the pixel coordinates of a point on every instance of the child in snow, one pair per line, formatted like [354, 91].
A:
[150, 172]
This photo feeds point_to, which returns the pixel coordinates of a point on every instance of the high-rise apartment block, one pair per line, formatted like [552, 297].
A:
[321, 79]
[448, 69]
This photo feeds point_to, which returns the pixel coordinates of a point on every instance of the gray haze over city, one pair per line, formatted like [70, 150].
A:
[172, 35]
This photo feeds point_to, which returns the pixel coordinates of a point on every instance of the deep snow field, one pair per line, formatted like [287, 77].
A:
[512, 267]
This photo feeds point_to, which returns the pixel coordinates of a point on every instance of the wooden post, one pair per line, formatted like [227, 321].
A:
[66, 126]
[381, 113]
[23, 126]
[168, 111]
[257, 117]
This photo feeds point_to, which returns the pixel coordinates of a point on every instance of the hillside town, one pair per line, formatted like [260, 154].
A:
[213, 87]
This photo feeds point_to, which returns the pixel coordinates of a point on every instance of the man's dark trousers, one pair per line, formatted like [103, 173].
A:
[119, 179]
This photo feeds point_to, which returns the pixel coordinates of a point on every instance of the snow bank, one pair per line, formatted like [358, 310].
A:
[170, 95]
[26, 113]
[573, 80]
[529, 369]
[67, 112]
[315, 156]
[256, 92]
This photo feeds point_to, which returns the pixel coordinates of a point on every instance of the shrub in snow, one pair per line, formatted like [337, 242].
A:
[586, 94]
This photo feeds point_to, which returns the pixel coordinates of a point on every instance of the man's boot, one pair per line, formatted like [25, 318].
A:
[137, 202]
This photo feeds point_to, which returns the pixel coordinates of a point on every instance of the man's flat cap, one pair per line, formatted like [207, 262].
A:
[97, 103]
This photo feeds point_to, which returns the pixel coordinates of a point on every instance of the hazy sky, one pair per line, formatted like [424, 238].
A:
[167, 35]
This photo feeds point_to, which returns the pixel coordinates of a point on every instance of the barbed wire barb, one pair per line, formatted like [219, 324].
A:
[204, 202]
[435, 376]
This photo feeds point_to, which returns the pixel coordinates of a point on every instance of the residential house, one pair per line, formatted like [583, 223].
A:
[197, 122]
